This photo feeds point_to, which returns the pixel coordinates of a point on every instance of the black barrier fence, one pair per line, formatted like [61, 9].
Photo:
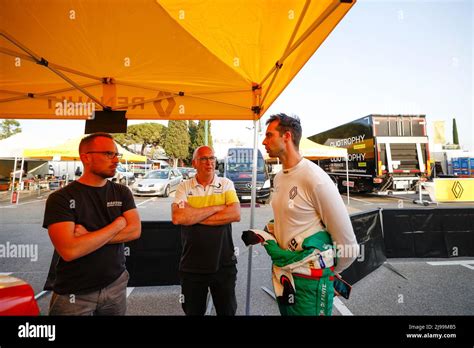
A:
[154, 258]
[438, 232]
[368, 230]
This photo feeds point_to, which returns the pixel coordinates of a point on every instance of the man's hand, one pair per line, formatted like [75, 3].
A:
[130, 227]
[80, 230]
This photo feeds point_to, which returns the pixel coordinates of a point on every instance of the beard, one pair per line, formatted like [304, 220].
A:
[104, 174]
[274, 153]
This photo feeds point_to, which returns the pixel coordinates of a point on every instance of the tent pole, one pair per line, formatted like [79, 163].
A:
[126, 168]
[20, 179]
[252, 213]
[347, 178]
[13, 179]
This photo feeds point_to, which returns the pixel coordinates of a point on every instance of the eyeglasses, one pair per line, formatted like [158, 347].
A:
[205, 159]
[109, 154]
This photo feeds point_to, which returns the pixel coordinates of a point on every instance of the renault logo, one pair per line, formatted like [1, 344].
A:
[457, 189]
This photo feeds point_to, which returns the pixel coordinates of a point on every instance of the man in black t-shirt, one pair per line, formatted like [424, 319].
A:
[205, 206]
[88, 221]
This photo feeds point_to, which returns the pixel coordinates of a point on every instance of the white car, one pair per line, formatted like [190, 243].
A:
[157, 183]
[123, 176]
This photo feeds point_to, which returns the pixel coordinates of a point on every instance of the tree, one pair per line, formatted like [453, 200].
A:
[455, 133]
[197, 136]
[201, 128]
[9, 128]
[144, 133]
[192, 130]
[176, 142]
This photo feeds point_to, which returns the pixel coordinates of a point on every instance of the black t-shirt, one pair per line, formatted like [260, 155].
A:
[94, 208]
[206, 248]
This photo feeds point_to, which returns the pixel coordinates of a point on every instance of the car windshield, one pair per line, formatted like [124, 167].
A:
[159, 174]
[244, 166]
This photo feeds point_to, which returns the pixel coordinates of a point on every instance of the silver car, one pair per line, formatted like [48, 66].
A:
[157, 183]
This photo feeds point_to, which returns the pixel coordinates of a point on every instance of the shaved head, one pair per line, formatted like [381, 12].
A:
[200, 149]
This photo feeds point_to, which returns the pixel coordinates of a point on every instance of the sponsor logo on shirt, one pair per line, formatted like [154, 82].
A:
[293, 192]
[218, 188]
[114, 204]
[293, 245]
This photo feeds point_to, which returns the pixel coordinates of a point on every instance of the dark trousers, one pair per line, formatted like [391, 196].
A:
[194, 288]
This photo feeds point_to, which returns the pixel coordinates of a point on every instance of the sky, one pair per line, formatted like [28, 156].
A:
[384, 57]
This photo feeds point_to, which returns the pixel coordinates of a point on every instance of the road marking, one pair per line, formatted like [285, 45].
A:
[360, 200]
[467, 263]
[341, 307]
[268, 292]
[399, 198]
[14, 205]
[149, 199]
[41, 294]
[129, 291]
[209, 304]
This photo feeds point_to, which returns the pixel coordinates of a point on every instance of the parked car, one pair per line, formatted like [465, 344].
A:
[17, 297]
[187, 172]
[157, 183]
[122, 176]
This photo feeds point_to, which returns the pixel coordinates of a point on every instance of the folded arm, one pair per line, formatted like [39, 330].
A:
[230, 213]
[133, 229]
[71, 243]
[187, 215]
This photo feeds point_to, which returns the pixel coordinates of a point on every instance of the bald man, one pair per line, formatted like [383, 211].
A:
[205, 206]
[88, 221]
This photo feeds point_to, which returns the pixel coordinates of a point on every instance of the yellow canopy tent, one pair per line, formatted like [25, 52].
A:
[164, 59]
[157, 59]
[69, 151]
[314, 151]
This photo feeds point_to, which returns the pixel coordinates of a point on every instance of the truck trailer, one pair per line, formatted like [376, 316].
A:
[387, 154]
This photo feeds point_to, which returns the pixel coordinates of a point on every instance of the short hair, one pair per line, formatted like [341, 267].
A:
[198, 148]
[287, 123]
[86, 141]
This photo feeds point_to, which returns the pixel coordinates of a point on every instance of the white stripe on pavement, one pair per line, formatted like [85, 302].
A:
[129, 291]
[149, 199]
[42, 293]
[14, 205]
[359, 200]
[341, 307]
[450, 263]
